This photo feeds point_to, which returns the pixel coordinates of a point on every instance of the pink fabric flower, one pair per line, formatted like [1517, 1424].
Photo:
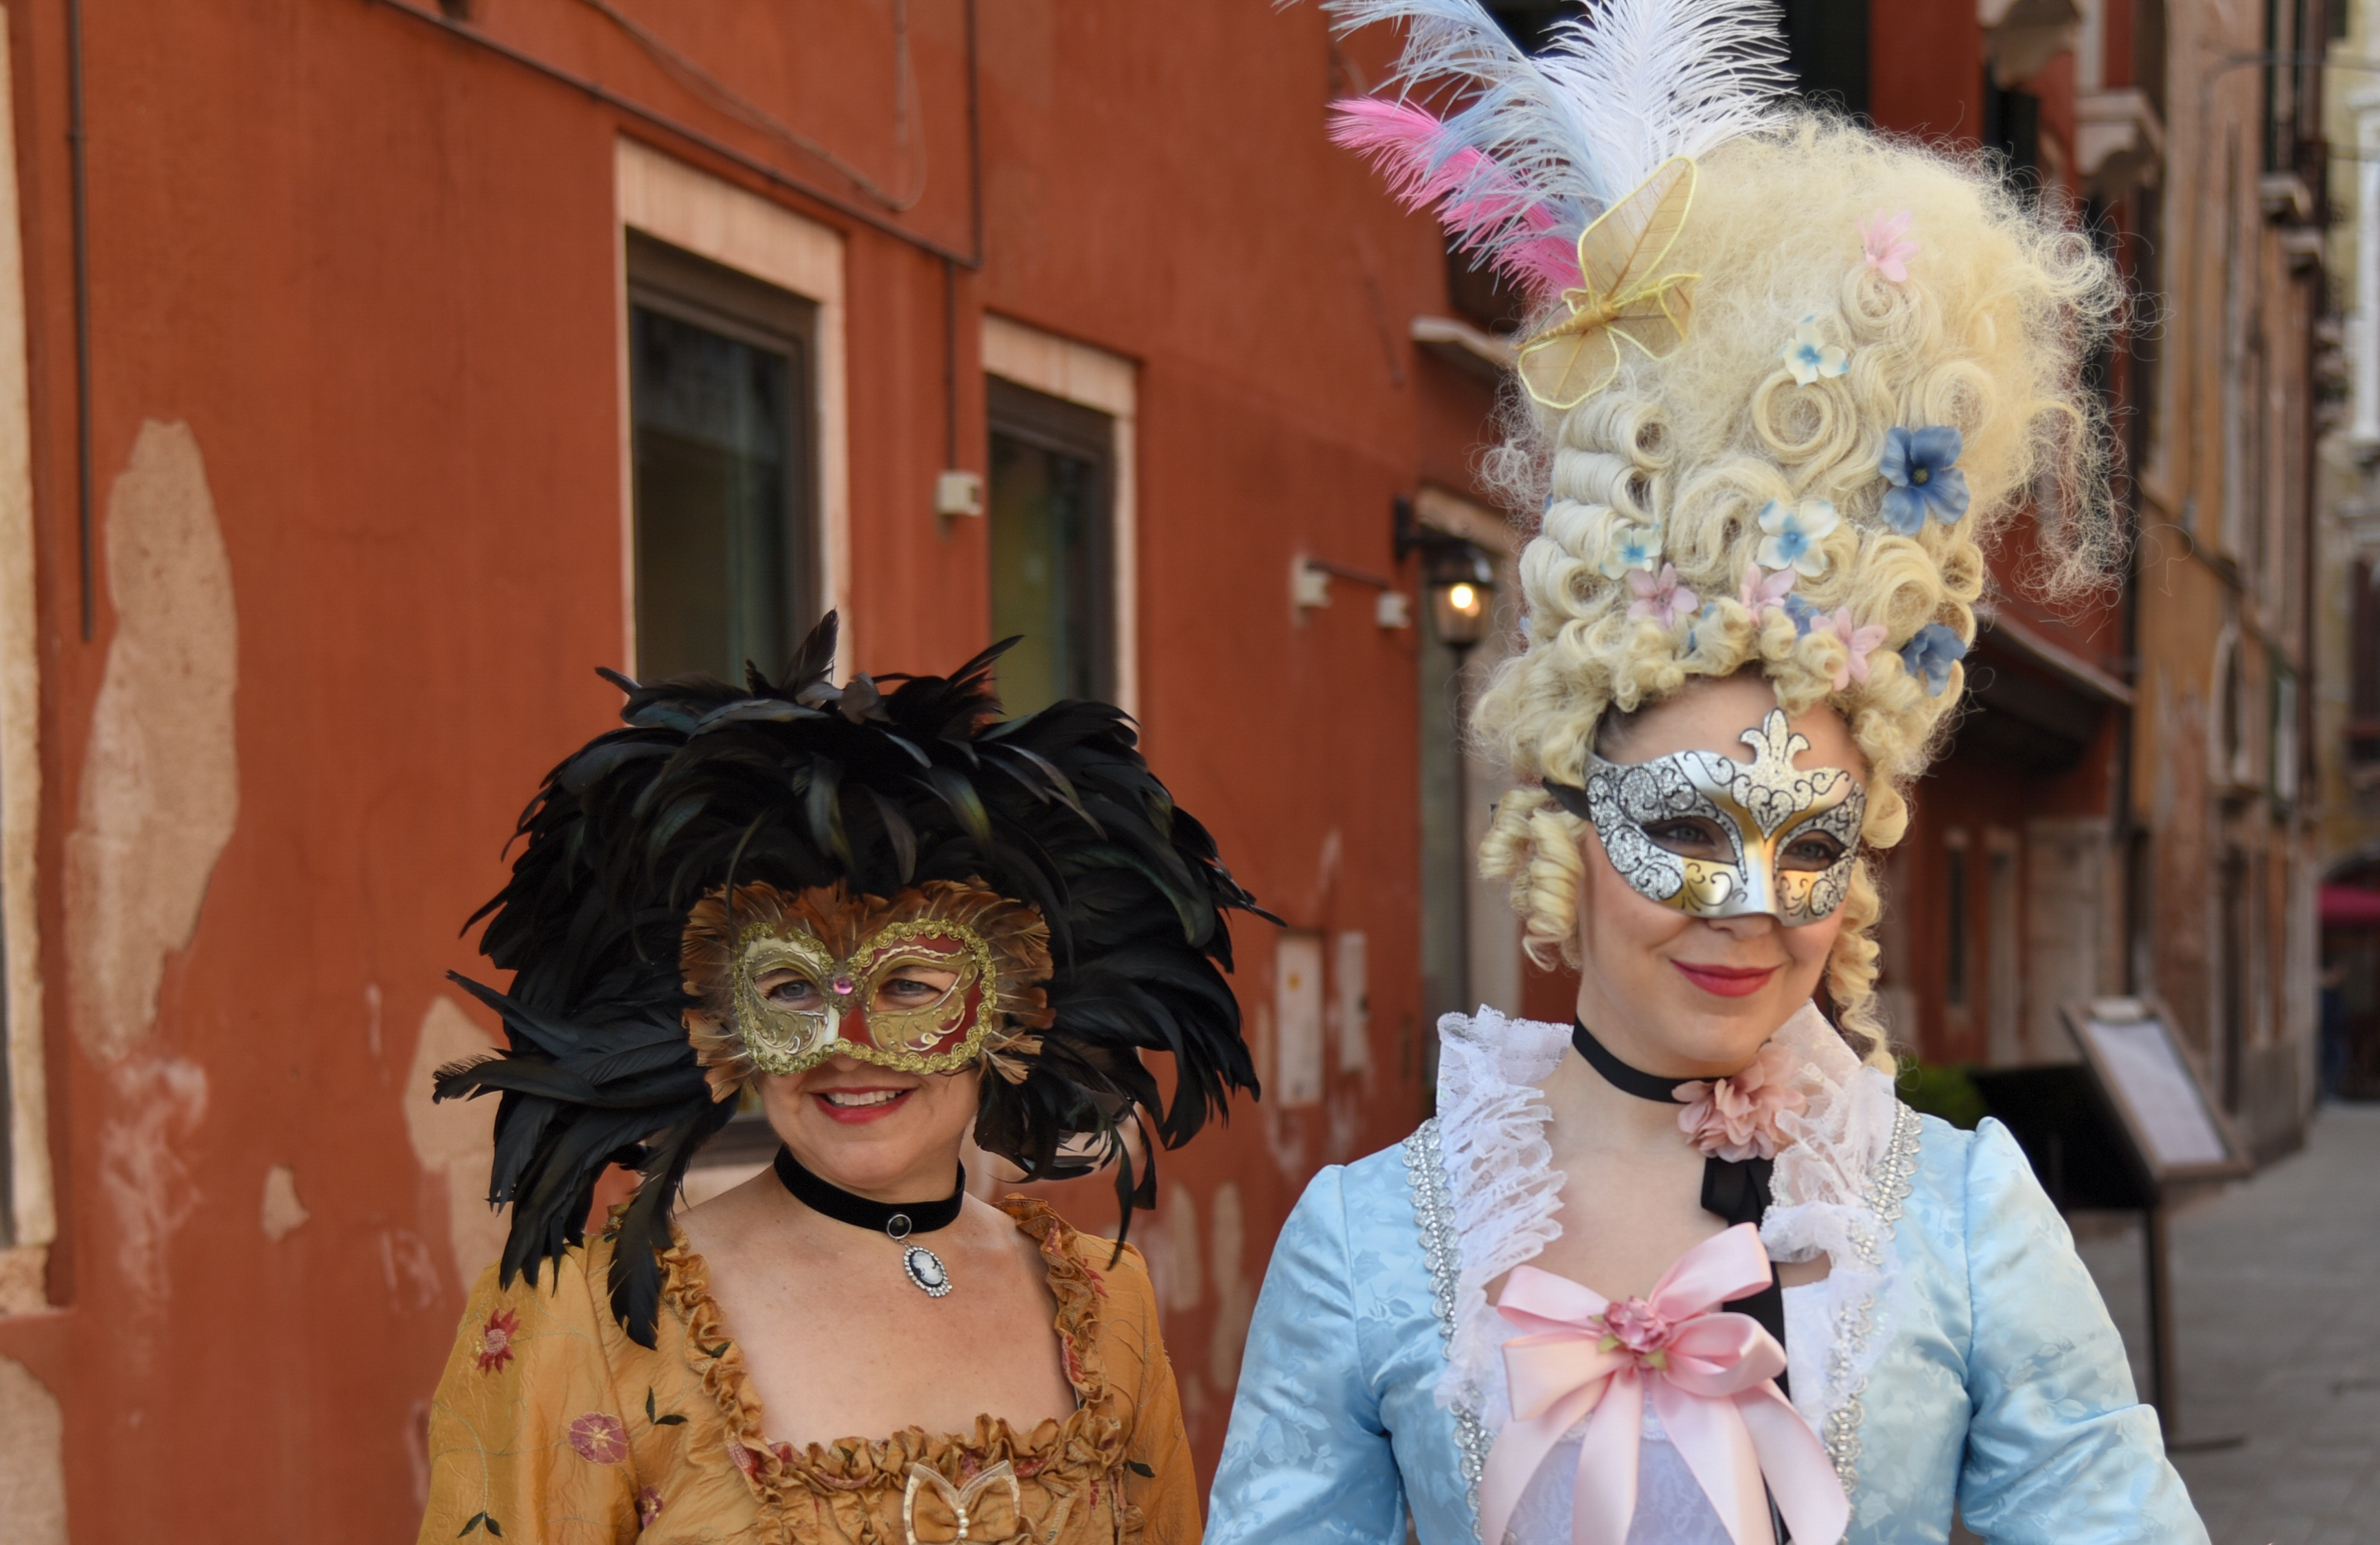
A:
[1858, 644]
[1736, 1117]
[1762, 593]
[1883, 241]
[1664, 600]
[600, 1438]
[1637, 1326]
[649, 1506]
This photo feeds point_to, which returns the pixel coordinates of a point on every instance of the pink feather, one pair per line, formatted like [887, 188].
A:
[1484, 204]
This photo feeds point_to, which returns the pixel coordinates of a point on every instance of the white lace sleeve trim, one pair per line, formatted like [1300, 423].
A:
[1499, 1174]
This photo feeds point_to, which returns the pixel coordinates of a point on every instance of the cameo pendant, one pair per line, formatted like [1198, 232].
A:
[925, 1269]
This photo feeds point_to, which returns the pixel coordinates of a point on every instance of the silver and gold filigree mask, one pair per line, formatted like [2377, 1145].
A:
[1715, 837]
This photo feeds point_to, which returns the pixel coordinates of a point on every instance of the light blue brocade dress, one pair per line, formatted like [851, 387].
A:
[1966, 1354]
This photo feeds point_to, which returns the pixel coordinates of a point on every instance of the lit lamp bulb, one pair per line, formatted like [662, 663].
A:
[1459, 589]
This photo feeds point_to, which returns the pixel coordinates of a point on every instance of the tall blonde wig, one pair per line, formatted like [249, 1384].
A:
[1987, 335]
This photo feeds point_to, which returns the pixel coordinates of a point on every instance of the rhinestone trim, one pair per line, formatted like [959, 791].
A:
[1442, 1251]
[1888, 1188]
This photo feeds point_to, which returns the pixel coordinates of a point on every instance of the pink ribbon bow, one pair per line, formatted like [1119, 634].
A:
[1712, 1377]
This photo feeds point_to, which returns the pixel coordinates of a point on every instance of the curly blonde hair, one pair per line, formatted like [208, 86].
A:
[1988, 334]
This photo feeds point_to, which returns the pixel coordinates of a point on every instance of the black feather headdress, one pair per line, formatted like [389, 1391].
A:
[799, 783]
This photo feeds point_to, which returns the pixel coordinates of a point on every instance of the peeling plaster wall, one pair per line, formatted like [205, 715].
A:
[160, 772]
[33, 1460]
[158, 1106]
[456, 1141]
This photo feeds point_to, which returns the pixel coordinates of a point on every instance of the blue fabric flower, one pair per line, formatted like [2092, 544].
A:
[1805, 617]
[1793, 536]
[1919, 464]
[1809, 357]
[1631, 547]
[1931, 654]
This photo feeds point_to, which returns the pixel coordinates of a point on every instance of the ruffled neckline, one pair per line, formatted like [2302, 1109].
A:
[1088, 1442]
[1837, 1190]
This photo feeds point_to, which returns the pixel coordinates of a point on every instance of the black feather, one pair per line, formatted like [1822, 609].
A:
[709, 783]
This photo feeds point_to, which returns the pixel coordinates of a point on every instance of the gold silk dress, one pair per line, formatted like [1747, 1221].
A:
[550, 1425]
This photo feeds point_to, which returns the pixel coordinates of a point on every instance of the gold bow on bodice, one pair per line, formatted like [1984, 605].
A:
[1569, 361]
[987, 1510]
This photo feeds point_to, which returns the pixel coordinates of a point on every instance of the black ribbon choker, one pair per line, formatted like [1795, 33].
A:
[1618, 1073]
[897, 1221]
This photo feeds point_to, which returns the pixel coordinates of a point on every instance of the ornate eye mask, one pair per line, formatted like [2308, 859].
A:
[927, 982]
[1715, 837]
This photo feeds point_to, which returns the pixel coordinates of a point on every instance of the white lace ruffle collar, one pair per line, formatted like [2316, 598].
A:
[1836, 1189]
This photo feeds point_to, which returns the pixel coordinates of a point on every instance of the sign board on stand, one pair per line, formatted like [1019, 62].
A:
[2117, 1130]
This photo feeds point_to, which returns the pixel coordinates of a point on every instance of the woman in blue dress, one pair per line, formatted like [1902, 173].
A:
[1687, 1271]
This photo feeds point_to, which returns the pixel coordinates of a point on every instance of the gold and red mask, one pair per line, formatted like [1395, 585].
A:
[787, 980]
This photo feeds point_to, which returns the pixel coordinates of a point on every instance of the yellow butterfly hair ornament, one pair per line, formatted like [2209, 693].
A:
[1564, 364]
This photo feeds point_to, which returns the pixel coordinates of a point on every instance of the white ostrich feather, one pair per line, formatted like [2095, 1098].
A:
[1618, 91]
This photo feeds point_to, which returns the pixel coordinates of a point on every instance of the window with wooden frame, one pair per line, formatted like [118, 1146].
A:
[1051, 497]
[721, 406]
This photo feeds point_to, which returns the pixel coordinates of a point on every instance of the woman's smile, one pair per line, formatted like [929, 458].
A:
[1727, 981]
[856, 1106]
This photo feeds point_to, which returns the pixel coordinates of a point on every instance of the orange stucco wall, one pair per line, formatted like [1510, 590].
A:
[373, 268]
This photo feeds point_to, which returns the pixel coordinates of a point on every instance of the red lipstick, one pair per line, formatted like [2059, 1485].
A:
[1727, 981]
[859, 1116]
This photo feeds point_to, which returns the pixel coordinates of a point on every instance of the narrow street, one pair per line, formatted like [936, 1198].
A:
[2278, 1284]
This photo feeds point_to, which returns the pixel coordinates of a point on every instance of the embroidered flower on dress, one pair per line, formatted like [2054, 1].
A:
[1736, 1117]
[496, 1340]
[1808, 358]
[1663, 599]
[1793, 535]
[1762, 594]
[1858, 644]
[649, 1506]
[1885, 244]
[1631, 547]
[1931, 654]
[600, 1438]
[1918, 463]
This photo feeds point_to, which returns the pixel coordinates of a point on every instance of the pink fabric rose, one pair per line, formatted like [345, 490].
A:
[1636, 1325]
[1736, 1117]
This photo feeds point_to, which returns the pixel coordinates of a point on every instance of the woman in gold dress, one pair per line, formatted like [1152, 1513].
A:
[887, 920]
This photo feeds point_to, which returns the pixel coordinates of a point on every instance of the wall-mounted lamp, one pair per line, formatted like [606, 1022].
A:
[1455, 574]
[1309, 586]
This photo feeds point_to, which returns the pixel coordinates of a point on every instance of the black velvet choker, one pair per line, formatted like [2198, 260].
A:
[898, 1220]
[1618, 1073]
[1734, 1190]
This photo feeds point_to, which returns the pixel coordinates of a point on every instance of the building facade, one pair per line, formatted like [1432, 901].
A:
[2224, 570]
[371, 373]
